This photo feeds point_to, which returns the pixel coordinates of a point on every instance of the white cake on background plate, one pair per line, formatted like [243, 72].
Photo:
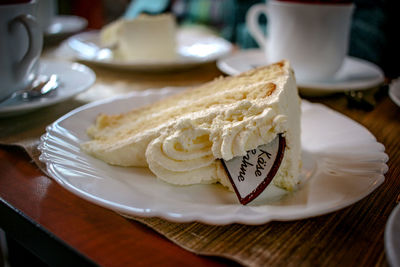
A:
[183, 138]
[145, 38]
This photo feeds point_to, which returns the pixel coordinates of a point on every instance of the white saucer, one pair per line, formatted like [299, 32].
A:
[63, 25]
[394, 91]
[355, 74]
[74, 78]
[392, 234]
[194, 47]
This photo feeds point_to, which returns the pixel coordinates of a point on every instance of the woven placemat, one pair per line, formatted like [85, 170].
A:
[244, 244]
[247, 245]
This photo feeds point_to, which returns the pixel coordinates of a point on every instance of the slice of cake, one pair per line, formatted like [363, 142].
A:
[145, 38]
[183, 137]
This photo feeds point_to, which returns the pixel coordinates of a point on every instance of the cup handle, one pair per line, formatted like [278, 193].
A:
[35, 44]
[252, 16]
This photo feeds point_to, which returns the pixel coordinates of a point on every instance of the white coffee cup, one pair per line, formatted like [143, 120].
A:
[21, 42]
[313, 37]
[46, 11]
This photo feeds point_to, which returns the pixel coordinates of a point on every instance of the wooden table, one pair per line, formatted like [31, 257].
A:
[65, 230]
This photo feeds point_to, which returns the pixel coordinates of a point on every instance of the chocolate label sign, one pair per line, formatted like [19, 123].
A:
[251, 174]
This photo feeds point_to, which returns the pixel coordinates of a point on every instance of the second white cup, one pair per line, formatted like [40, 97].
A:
[313, 37]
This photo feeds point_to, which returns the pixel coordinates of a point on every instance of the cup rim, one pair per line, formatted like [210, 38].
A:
[30, 2]
[309, 3]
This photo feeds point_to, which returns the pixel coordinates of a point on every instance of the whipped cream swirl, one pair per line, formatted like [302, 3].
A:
[188, 152]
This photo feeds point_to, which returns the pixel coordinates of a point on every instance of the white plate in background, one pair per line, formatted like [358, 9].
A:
[394, 91]
[63, 25]
[74, 78]
[194, 48]
[392, 238]
[342, 163]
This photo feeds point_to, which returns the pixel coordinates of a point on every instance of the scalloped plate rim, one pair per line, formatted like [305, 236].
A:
[193, 216]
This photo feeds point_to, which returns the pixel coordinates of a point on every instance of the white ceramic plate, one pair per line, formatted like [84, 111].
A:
[394, 91]
[63, 25]
[342, 161]
[194, 48]
[355, 74]
[74, 78]
[392, 240]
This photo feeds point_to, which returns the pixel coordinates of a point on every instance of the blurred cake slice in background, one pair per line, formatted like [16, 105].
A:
[145, 38]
